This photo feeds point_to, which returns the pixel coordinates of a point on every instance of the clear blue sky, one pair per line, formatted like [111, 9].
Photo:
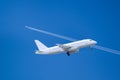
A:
[95, 19]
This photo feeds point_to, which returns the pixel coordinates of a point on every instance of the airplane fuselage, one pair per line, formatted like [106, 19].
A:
[69, 47]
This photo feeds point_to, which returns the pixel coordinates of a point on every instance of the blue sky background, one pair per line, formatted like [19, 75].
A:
[99, 20]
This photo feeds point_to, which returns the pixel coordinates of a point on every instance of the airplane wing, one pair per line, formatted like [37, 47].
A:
[64, 47]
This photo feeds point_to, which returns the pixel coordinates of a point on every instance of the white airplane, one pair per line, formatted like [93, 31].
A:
[60, 48]
[69, 47]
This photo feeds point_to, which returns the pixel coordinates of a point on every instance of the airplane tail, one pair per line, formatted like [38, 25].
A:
[40, 45]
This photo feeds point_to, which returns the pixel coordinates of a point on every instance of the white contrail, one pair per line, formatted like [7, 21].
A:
[71, 39]
[52, 34]
[107, 49]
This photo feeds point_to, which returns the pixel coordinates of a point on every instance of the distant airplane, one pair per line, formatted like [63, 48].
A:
[69, 48]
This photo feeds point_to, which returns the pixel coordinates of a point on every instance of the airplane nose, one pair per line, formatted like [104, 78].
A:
[95, 42]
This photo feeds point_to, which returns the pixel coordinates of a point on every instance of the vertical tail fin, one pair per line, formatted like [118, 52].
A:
[40, 45]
